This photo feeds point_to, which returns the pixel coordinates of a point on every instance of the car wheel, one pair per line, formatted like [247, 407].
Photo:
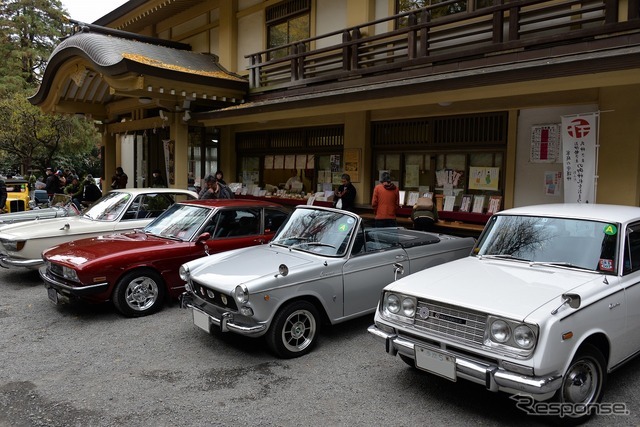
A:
[139, 293]
[294, 330]
[582, 385]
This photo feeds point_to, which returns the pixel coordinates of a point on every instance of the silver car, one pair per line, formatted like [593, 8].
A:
[322, 266]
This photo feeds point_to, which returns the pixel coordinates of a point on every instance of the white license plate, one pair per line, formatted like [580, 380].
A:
[53, 295]
[436, 362]
[201, 320]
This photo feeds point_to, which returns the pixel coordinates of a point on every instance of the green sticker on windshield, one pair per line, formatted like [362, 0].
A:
[610, 230]
[343, 227]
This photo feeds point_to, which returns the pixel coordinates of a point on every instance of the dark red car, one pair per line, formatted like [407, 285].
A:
[138, 270]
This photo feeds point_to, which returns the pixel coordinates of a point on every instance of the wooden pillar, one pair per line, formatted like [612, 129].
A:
[179, 135]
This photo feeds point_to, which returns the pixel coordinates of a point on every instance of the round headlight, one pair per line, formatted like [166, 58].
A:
[183, 271]
[408, 307]
[211, 294]
[393, 303]
[500, 331]
[241, 294]
[524, 337]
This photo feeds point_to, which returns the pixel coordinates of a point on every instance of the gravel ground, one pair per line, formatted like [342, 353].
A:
[89, 366]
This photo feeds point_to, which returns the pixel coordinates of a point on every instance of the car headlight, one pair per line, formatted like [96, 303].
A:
[392, 303]
[500, 331]
[184, 273]
[511, 335]
[70, 274]
[408, 307]
[241, 294]
[401, 308]
[524, 337]
[13, 245]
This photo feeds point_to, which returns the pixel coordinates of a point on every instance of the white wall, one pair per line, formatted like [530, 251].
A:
[529, 182]
[251, 35]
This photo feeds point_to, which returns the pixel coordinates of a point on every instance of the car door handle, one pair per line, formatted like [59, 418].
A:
[401, 257]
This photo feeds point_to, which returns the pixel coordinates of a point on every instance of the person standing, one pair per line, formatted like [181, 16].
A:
[156, 180]
[120, 179]
[345, 196]
[385, 201]
[52, 184]
[220, 177]
[214, 190]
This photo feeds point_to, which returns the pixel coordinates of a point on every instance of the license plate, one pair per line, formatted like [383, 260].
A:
[201, 320]
[436, 362]
[53, 295]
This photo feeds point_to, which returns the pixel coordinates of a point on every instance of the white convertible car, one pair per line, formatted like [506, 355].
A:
[545, 307]
[22, 244]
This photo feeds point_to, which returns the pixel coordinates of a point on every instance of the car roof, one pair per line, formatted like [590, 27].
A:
[592, 211]
[231, 203]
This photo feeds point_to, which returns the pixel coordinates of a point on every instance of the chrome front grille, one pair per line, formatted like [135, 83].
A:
[214, 297]
[451, 321]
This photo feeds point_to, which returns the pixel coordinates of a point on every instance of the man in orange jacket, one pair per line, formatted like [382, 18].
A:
[385, 201]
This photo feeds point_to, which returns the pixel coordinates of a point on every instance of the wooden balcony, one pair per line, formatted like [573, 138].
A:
[526, 27]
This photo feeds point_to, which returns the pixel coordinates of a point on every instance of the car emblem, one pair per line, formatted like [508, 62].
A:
[423, 312]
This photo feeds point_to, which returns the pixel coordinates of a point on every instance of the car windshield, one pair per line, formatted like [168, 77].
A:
[317, 231]
[109, 207]
[179, 222]
[583, 244]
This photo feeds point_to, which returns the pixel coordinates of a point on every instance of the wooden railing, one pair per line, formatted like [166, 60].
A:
[507, 26]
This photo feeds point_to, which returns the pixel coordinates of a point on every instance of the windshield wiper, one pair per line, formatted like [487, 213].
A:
[502, 256]
[286, 239]
[559, 264]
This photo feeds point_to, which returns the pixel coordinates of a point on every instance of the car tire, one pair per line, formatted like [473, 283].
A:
[139, 293]
[294, 330]
[582, 384]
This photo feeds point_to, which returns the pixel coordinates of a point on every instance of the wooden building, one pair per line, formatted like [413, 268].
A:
[434, 95]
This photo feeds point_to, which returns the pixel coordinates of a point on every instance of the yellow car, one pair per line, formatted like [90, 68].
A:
[17, 195]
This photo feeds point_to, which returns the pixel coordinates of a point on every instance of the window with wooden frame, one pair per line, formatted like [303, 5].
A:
[440, 154]
[287, 22]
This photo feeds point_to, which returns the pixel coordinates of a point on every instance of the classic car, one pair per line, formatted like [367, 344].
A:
[547, 304]
[137, 270]
[22, 244]
[322, 265]
[17, 195]
[60, 206]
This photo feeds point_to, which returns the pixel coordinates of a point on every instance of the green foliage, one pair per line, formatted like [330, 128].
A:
[30, 29]
[33, 140]
[30, 139]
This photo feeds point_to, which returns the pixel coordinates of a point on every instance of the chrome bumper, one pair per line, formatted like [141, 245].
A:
[225, 321]
[492, 377]
[52, 282]
[33, 264]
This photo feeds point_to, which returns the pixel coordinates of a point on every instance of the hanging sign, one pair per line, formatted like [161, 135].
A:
[579, 135]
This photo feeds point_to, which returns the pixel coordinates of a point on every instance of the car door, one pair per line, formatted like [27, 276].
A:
[369, 268]
[236, 228]
[629, 340]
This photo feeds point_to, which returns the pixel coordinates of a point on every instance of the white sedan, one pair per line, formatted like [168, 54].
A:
[22, 244]
[545, 307]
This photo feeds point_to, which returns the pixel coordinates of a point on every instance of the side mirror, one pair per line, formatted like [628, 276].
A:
[574, 300]
[203, 237]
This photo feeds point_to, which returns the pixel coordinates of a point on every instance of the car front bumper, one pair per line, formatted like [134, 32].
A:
[7, 262]
[206, 315]
[493, 377]
[51, 282]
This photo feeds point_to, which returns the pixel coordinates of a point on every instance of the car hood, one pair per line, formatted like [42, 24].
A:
[82, 251]
[505, 288]
[54, 227]
[35, 214]
[247, 266]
